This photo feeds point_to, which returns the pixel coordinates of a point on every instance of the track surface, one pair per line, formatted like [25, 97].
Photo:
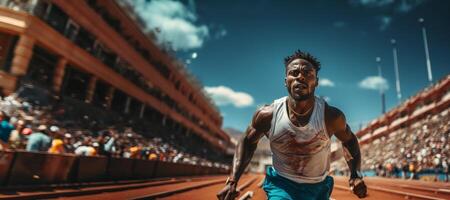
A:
[205, 188]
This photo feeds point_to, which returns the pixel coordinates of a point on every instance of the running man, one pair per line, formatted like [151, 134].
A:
[299, 128]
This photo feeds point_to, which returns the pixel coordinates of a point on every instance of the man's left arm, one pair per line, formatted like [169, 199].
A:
[352, 153]
[351, 150]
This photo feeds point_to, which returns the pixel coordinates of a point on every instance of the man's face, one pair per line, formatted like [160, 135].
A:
[301, 79]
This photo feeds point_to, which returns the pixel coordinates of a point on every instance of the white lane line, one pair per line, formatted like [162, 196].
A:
[247, 195]
[261, 182]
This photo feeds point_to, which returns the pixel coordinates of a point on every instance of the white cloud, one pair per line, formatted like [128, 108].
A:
[223, 95]
[372, 3]
[402, 6]
[388, 6]
[374, 83]
[406, 6]
[384, 21]
[324, 82]
[174, 23]
[221, 33]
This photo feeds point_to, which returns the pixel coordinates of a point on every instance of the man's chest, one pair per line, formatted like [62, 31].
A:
[299, 142]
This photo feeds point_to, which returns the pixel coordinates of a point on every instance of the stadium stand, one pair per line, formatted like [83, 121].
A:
[58, 154]
[27, 120]
[412, 140]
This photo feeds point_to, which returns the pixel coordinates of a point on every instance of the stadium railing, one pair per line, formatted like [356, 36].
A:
[37, 168]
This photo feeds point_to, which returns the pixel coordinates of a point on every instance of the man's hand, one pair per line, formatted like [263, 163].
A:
[228, 192]
[358, 187]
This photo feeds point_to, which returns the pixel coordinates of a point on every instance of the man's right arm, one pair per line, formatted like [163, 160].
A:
[245, 148]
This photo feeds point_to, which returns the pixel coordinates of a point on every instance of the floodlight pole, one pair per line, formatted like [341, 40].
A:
[427, 53]
[397, 76]
[380, 74]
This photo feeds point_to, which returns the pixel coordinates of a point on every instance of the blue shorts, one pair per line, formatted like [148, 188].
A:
[280, 188]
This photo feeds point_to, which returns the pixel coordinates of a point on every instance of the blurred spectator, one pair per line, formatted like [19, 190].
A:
[135, 152]
[412, 170]
[423, 148]
[445, 167]
[152, 155]
[106, 142]
[39, 140]
[57, 146]
[16, 135]
[86, 150]
[68, 142]
[69, 134]
[5, 129]
[27, 132]
[55, 132]
[405, 169]
[389, 170]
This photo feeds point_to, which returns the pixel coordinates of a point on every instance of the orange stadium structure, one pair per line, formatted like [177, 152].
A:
[432, 100]
[96, 52]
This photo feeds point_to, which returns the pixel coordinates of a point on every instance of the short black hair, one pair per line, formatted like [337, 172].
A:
[305, 56]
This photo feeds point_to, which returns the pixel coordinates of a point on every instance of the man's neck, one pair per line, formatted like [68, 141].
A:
[302, 106]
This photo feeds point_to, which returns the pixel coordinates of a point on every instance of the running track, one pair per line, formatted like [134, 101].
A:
[205, 188]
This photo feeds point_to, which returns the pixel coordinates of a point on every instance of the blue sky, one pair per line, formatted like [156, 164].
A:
[236, 48]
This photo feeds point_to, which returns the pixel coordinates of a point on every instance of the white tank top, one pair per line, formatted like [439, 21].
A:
[301, 154]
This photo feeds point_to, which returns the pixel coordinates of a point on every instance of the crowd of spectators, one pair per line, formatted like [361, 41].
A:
[422, 147]
[34, 128]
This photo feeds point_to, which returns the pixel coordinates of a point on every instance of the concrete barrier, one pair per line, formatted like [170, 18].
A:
[40, 168]
[224, 171]
[144, 169]
[197, 170]
[28, 168]
[188, 170]
[6, 158]
[205, 170]
[120, 168]
[89, 169]
[164, 169]
[182, 169]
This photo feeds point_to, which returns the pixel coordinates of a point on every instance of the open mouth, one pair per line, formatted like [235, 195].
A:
[300, 86]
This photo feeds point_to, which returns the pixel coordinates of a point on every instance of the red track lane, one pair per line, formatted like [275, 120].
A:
[135, 193]
[255, 188]
[412, 182]
[340, 192]
[210, 192]
[95, 188]
[373, 195]
[45, 192]
[207, 187]
[420, 188]
[383, 188]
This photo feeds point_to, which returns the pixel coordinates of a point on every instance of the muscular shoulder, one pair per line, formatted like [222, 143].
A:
[332, 113]
[334, 119]
[262, 118]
